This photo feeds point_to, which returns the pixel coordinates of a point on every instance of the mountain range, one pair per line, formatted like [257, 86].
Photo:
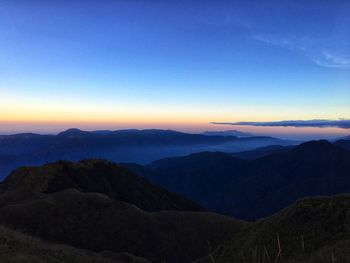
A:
[228, 133]
[254, 188]
[97, 211]
[141, 146]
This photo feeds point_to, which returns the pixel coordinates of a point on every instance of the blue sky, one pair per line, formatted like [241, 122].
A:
[153, 63]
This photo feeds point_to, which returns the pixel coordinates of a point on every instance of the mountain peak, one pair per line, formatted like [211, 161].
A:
[99, 176]
[315, 147]
[73, 132]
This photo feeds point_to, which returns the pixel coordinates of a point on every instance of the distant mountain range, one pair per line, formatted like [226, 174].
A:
[140, 146]
[251, 189]
[228, 133]
[97, 211]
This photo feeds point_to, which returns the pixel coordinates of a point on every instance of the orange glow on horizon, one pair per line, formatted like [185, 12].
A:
[45, 117]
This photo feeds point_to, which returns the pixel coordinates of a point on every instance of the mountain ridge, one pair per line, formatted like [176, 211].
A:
[99, 176]
[250, 189]
[141, 146]
[64, 203]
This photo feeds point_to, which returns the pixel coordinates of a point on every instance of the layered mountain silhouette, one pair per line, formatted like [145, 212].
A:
[228, 133]
[100, 206]
[251, 189]
[97, 211]
[141, 146]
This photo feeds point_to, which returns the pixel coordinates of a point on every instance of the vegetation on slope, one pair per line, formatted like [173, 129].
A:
[311, 230]
[100, 206]
[16, 247]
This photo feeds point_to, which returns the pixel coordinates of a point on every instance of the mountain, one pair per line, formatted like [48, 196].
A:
[96, 176]
[251, 189]
[97, 211]
[74, 133]
[311, 230]
[343, 143]
[261, 152]
[142, 146]
[98, 206]
[228, 133]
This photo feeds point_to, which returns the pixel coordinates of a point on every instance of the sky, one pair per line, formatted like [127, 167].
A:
[173, 64]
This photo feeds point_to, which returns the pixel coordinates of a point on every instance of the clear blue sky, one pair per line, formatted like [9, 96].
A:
[154, 63]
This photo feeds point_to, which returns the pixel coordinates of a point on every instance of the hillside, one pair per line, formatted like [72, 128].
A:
[343, 143]
[311, 230]
[97, 211]
[250, 189]
[99, 206]
[96, 176]
[16, 247]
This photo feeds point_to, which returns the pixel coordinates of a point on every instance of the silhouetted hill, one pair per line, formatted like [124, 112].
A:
[96, 176]
[343, 143]
[250, 189]
[311, 230]
[140, 146]
[100, 206]
[73, 133]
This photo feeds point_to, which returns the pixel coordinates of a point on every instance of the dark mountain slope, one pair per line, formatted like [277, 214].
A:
[200, 176]
[276, 181]
[343, 143]
[256, 188]
[97, 205]
[311, 230]
[94, 221]
[16, 247]
[96, 176]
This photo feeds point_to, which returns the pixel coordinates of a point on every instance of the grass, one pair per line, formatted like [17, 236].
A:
[338, 253]
[16, 247]
[313, 230]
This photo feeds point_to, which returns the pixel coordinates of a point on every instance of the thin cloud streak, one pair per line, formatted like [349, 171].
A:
[333, 61]
[342, 123]
[307, 47]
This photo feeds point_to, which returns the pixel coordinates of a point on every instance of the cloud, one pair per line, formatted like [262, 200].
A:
[309, 48]
[289, 42]
[333, 61]
[342, 123]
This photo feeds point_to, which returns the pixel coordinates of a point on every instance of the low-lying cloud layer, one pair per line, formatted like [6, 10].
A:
[343, 123]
